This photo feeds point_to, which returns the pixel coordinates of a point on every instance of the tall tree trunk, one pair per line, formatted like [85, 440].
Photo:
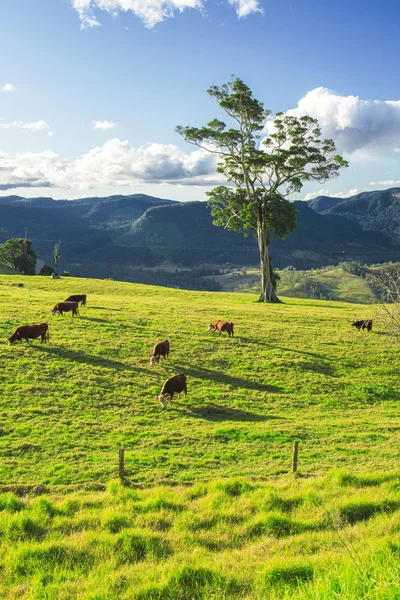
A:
[268, 293]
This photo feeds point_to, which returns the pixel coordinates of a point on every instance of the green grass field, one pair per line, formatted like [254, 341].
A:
[293, 371]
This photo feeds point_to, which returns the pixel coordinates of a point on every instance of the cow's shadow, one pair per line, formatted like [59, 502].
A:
[213, 412]
[90, 359]
[96, 319]
[220, 376]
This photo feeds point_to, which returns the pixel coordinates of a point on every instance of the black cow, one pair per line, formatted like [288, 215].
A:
[363, 324]
[77, 298]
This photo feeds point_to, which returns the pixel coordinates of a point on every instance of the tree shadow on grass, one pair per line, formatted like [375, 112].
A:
[221, 377]
[82, 357]
[213, 412]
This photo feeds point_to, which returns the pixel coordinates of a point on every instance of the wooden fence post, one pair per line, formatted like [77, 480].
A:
[295, 455]
[121, 463]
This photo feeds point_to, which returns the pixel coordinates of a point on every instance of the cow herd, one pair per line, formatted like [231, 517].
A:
[174, 385]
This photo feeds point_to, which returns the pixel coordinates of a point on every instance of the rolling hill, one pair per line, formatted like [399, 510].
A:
[208, 507]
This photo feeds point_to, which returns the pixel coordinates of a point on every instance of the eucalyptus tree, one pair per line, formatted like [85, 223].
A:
[261, 169]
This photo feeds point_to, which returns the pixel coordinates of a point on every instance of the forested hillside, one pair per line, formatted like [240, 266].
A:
[133, 237]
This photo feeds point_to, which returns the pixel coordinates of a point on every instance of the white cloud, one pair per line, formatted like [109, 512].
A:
[244, 8]
[34, 126]
[348, 194]
[9, 87]
[103, 125]
[116, 163]
[50, 133]
[353, 123]
[397, 149]
[386, 183]
[151, 12]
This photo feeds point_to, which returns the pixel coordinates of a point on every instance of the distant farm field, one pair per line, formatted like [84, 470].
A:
[295, 371]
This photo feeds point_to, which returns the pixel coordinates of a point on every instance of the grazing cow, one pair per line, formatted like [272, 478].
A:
[30, 332]
[363, 324]
[160, 349]
[221, 326]
[20, 285]
[77, 298]
[174, 385]
[63, 307]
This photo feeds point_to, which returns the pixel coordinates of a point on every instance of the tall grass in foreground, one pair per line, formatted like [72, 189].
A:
[337, 536]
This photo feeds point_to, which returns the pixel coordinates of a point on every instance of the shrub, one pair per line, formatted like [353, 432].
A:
[46, 270]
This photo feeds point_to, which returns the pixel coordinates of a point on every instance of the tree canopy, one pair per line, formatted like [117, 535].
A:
[18, 254]
[262, 167]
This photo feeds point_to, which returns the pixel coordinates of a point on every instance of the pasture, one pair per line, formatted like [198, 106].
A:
[209, 509]
[293, 371]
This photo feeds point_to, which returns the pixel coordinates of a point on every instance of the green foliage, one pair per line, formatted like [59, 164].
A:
[19, 255]
[261, 176]
[46, 270]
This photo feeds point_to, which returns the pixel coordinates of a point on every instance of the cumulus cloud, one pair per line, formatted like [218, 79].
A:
[244, 8]
[50, 133]
[9, 87]
[34, 126]
[151, 12]
[116, 163]
[103, 125]
[325, 192]
[354, 124]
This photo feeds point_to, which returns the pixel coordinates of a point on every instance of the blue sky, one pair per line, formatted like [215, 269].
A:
[138, 73]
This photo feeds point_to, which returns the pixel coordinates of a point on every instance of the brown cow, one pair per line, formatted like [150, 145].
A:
[174, 385]
[63, 307]
[77, 298]
[160, 349]
[221, 326]
[30, 332]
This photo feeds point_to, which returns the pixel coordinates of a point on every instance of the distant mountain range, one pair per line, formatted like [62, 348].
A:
[121, 236]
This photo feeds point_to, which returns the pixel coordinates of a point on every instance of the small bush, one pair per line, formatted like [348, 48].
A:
[66, 274]
[46, 270]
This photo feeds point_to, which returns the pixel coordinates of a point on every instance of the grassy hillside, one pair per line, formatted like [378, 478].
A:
[328, 283]
[68, 405]
[209, 509]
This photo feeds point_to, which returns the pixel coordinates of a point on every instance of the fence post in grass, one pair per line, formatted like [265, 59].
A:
[295, 455]
[121, 463]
